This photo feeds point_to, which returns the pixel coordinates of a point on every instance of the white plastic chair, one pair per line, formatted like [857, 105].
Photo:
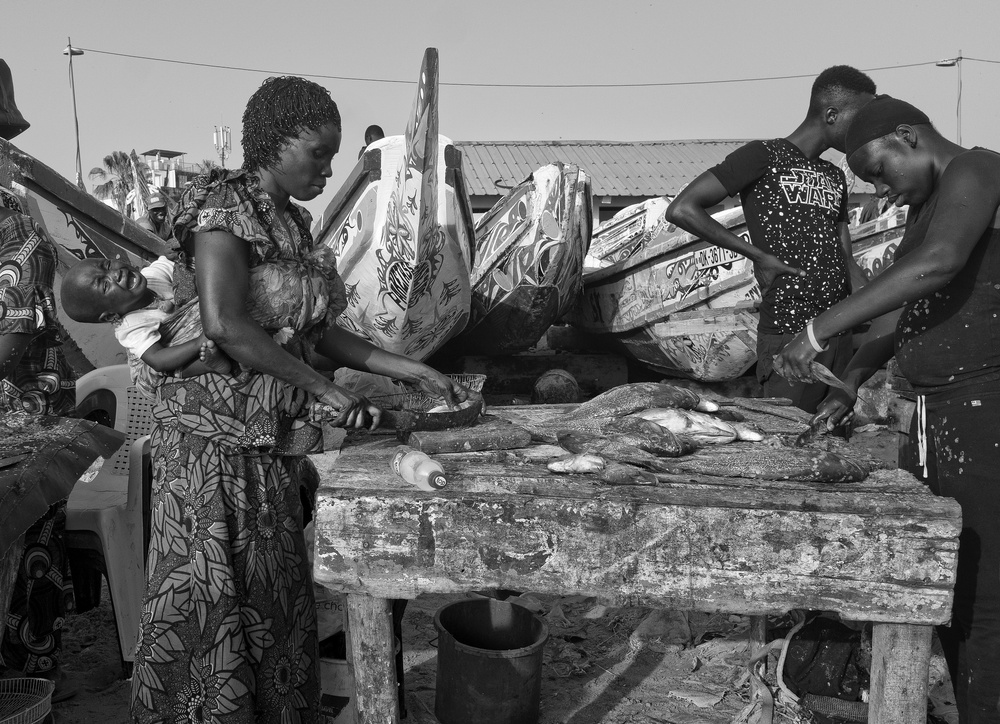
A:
[109, 514]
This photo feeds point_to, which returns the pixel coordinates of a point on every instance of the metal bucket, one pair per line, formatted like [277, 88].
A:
[489, 663]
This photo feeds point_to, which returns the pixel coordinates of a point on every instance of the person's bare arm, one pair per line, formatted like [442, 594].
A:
[838, 407]
[175, 357]
[348, 349]
[223, 279]
[688, 211]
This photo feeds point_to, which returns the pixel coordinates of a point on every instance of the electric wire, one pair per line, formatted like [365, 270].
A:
[655, 84]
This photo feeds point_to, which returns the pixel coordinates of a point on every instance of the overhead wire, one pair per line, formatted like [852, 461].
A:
[655, 84]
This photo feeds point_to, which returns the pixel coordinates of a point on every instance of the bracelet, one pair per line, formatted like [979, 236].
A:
[812, 338]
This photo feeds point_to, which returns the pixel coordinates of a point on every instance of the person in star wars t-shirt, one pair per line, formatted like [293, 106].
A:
[795, 204]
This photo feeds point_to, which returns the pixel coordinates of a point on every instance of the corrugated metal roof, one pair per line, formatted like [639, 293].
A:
[616, 168]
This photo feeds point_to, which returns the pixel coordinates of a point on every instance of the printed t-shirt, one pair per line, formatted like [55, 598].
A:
[793, 206]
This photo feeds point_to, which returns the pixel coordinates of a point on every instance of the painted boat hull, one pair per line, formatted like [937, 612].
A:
[529, 261]
[81, 227]
[401, 229]
[682, 306]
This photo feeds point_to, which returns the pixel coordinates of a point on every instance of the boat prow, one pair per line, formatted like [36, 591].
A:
[529, 261]
[401, 228]
[81, 227]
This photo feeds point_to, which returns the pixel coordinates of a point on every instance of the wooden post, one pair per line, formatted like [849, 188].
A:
[758, 636]
[900, 661]
[370, 622]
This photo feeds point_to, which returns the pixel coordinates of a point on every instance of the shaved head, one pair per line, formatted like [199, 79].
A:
[79, 300]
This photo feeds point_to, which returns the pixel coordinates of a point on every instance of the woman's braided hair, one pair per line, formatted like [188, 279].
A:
[278, 112]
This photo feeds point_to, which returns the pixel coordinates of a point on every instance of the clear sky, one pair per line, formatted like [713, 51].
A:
[127, 103]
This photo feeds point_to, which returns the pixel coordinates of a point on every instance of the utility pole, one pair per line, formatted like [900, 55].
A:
[71, 51]
[223, 143]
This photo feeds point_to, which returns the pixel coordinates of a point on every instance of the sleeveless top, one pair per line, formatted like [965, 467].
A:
[951, 338]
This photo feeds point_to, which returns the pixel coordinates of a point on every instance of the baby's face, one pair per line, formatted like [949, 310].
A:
[116, 286]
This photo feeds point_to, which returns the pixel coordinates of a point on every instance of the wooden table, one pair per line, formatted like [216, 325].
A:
[883, 551]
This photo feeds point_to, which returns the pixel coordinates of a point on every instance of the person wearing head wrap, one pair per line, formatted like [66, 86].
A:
[947, 344]
[795, 204]
[228, 628]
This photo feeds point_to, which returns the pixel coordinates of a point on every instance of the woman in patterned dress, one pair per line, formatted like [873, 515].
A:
[34, 378]
[228, 630]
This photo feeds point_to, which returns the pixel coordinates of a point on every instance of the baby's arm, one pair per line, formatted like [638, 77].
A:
[185, 358]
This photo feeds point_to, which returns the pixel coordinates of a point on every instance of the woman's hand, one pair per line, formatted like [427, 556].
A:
[435, 384]
[793, 362]
[353, 410]
[837, 409]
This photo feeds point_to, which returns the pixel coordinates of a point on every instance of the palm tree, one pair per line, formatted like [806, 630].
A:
[207, 166]
[117, 178]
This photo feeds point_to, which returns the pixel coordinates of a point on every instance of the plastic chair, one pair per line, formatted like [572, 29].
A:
[109, 515]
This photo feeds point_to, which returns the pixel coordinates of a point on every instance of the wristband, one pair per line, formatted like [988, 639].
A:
[812, 338]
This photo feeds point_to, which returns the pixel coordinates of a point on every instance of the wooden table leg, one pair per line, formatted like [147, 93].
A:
[758, 635]
[901, 656]
[370, 623]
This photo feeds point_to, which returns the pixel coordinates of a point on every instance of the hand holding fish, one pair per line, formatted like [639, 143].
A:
[794, 362]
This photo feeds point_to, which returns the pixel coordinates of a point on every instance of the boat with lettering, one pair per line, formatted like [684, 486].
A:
[401, 228]
[81, 227]
[874, 243]
[682, 306]
[529, 261]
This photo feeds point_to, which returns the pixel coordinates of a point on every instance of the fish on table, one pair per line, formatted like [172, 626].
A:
[626, 399]
[623, 449]
[764, 462]
[547, 431]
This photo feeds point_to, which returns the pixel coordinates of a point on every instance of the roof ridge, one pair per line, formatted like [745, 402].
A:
[581, 142]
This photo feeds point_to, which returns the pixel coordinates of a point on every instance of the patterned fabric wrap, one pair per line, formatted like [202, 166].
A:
[41, 599]
[43, 382]
[284, 296]
[228, 630]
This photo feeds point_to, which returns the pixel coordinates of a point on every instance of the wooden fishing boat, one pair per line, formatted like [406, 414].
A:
[682, 306]
[529, 261]
[81, 227]
[625, 233]
[402, 230]
[874, 243]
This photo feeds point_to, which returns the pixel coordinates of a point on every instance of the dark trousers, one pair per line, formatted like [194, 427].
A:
[804, 396]
[963, 462]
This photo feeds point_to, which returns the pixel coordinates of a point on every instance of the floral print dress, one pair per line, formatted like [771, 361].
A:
[228, 629]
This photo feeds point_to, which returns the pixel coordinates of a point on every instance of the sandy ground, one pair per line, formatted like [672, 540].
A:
[601, 665]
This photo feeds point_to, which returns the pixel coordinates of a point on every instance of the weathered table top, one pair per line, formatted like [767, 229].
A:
[884, 550]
